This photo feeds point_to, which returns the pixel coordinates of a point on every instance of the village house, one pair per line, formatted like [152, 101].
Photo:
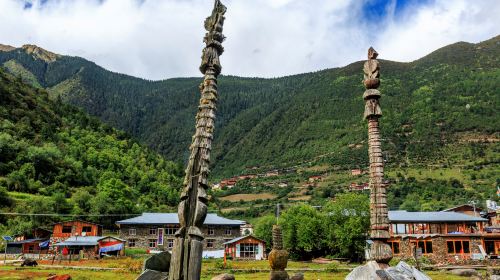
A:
[92, 246]
[356, 172]
[315, 178]
[442, 237]
[65, 230]
[245, 248]
[359, 187]
[156, 231]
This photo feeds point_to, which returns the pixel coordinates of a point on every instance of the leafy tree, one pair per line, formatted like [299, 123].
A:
[263, 229]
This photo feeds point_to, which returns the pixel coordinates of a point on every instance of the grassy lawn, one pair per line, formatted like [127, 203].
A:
[130, 269]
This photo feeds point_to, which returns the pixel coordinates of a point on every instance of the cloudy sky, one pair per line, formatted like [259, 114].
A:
[157, 39]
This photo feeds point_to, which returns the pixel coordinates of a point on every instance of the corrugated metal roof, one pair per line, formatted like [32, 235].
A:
[172, 218]
[33, 240]
[84, 240]
[241, 238]
[405, 216]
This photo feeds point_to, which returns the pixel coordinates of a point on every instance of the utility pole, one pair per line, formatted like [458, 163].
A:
[380, 251]
[188, 244]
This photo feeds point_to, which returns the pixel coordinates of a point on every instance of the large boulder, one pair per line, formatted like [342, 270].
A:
[279, 275]
[224, 276]
[278, 259]
[159, 262]
[373, 271]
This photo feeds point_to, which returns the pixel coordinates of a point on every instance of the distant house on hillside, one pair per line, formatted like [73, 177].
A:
[315, 178]
[156, 230]
[272, 173]
[356, 172]
[359, 187]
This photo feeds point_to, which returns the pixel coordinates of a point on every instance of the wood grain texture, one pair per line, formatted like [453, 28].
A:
[188, 245]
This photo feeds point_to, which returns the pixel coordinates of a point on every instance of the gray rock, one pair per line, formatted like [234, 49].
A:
[224, 276]
[159, 262]
[405, 268]
[364, 272]
[419, 275]
[384, 275]
[495, 277]
[153, 275]
[397, 274]
[464, 272]
[297, 276]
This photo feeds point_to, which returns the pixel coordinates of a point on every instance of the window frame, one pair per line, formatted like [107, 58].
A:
[228, 231]
[84, 228]
[211, 231]
[463, 248]
[152, 241]
[210, 243]
[153, 231]
[64, 229]
[131, 243]
[416, 244]
[132, 231]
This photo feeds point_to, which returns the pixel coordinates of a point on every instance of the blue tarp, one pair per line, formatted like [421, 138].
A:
[44, 244]
[111, 248]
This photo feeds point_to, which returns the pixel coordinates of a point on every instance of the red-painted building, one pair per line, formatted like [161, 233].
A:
[245, 248]
[65, 230]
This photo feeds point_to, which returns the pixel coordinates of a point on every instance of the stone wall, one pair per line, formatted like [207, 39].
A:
[440, 253]
[143, 236]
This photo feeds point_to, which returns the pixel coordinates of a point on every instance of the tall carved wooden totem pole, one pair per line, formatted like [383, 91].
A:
[188, 244]
[379, 222]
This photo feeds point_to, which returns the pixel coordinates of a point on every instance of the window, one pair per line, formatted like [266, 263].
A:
[210, 243]
[211, 231]
[132, 231]
[227, 231]
[170, 243]
[394, 247]
[31, 248]
[171, 230]
[248, 250]
[131, 242]
[66, 229]
[425, 245]
[86, 229]
[152, 243]
[458, 247]
[152, 231]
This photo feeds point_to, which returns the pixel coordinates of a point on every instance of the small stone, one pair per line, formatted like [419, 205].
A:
[495, 277]
[224, 276]
[464, 272]
[60, 277]
[297, 276]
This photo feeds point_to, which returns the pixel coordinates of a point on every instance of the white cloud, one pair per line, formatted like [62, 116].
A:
[158, 39]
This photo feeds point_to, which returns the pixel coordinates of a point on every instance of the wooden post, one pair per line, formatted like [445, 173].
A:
[188, 244]
[379, 222]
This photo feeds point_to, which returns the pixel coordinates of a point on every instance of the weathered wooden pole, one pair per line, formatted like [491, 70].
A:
[188, 244]
[380, 251]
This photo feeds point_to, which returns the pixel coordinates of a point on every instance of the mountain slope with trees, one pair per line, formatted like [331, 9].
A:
[440, 124]
[54, 158]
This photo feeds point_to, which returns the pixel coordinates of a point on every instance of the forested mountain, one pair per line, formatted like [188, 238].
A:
[436, 109]
[54, 158]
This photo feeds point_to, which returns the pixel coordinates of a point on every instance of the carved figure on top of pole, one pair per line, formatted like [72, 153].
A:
[380, 251]
[188, 243]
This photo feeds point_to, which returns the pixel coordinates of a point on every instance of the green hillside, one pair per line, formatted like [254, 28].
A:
[56, 159]
[440, 125]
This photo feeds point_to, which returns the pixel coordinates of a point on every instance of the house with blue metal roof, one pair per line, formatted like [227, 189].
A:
[442, 236]
[155, 231]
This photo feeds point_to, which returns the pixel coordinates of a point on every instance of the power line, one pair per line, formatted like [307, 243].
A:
[66, 215]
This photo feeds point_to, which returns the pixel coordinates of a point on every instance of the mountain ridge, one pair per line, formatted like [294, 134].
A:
[160, 113]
